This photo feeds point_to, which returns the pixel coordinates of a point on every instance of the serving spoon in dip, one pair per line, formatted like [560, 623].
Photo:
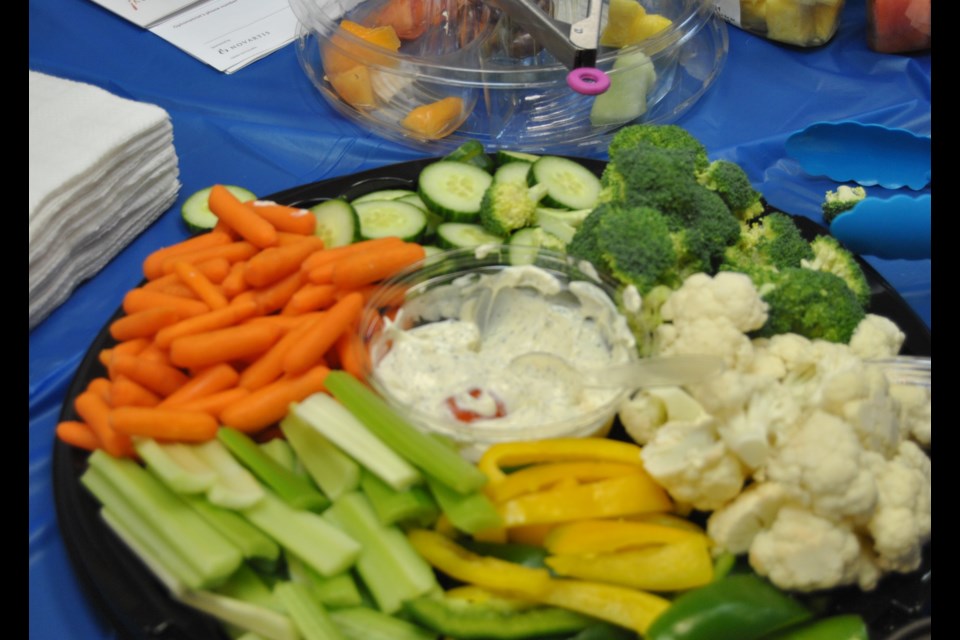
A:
[647, 372]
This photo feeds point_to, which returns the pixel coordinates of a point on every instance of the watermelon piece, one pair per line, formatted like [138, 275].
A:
[898, 26]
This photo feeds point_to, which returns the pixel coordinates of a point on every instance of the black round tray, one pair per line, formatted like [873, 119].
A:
[137, 605]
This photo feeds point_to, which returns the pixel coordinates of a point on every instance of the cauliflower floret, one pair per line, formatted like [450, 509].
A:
[915, 411]
[877, 337]
[693, 464]
[902, 522]
[825, 467]
[807, 552]
[649, 409]
[728, 294]
[877, 418]
[734, 526]
[716, 336]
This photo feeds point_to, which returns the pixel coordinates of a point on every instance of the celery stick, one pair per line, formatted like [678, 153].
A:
[472, 512]
[261, 620]
[235, 487]
[281, 451]
[247, 585]
[201, 546]
[306, 534]
[339, 590]
[424, 452]
[334, 471]
[176, 464]
[364, 623]
[414, 506]
[342, 428]
[388, 565]
[160, 564]
[296, 491]
[311, 618]
[253, 543]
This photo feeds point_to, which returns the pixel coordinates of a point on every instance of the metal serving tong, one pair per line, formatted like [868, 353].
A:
[574, 45]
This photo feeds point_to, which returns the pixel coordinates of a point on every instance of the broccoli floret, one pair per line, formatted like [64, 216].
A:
[636, 246]
[645, 175]
[843, 199]
[583, 245]
[731, 183]
[814, 304]
[773, 241]
[707, 230]
[644, 324]
[509, 205]
[830, 255]
[664, 136]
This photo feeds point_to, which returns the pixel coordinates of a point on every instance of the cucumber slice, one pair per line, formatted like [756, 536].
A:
[453, 189]
[526, 243]
[570, 185]
[196, 212]
[472, 152]
[504, 156]
[383, 194]
[381, 218]
[516, 171]
[337, 223]
[462, 235]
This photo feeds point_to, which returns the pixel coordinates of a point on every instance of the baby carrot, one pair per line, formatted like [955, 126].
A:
[160, 377]
[95, 412]
[274, 263]
[233, 252]
[200, 284]
[143, 324]
[207, 381]
[267, 405]
[233, 213]
[335, 253]
[323, 333]
[215, 403]
[153, 263]
[352, 354]
[215, 269]
[269, 366]
[125, 392]
[101, 387]
[275, 296]
[322, 273]
[164, 424]
[235, 284]
[284, 218]
[223, 345]
[234, 313]
[310, 297]
[367, 267]
[140, 299]
[77, 434]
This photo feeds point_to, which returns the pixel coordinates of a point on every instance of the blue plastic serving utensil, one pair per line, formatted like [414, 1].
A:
[869, 154]
[896, 228]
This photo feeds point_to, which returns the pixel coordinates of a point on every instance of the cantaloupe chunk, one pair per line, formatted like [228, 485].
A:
[436, 119]
[342, 53]
[354, 86]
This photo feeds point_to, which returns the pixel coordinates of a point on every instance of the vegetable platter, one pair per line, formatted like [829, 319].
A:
[138, 606]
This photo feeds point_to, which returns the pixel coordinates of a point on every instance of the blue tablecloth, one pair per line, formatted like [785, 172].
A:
[264, 127]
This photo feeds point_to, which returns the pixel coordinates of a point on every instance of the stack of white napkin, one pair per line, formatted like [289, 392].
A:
[102, 168]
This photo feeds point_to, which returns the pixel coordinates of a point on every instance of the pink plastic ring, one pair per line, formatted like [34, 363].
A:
[588, 80]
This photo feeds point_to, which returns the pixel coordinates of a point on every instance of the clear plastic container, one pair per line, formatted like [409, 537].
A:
[514, 93]
[803, 23]
[443, 288]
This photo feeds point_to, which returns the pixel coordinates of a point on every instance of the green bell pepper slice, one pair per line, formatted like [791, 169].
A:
[839, 627]
[737, 607]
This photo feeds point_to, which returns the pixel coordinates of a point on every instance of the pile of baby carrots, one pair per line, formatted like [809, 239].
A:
[230, 327]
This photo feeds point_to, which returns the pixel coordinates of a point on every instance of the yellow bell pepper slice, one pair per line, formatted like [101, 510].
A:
[545, 476]
[608, 498]
[504, 455]
[448, 557]
[604, 536]
[622, 606]
[685, 564]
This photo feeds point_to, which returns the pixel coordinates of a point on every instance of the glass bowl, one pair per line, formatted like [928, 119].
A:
[440, 336]
[513, 94]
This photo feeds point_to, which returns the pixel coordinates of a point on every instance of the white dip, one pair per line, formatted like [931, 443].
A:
[455, 368]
